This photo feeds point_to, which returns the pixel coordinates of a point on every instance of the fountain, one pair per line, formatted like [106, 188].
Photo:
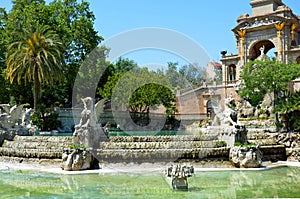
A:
[225, 125]
[86, 138]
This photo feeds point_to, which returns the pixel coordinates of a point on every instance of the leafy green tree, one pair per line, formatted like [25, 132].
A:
[36, 57]
[73, 22]
[193, 73]
[113, 74]
[261, 77]
[4, 91]
[289, 106]
[92, 68]
[140, 90]
[186, 76]
[124, 65]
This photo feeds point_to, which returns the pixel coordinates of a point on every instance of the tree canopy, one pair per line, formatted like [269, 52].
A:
[73, 22]
[261, 77]
[140, 89]
[36, 56]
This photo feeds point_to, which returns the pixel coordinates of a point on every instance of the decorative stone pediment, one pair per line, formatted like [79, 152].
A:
[256, 22]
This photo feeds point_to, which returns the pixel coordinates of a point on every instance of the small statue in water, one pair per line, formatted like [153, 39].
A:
[176, 175]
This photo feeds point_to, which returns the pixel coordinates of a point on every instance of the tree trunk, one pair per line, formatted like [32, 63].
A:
[36, 90]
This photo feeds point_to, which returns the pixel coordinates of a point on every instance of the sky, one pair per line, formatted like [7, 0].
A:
[208, 23]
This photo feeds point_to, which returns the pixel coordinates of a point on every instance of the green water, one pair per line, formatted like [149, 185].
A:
[275, 183]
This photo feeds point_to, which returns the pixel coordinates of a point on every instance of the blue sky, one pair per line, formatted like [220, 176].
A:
[209, 23]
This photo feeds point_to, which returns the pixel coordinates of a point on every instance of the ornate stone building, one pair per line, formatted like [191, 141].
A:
[272, 27]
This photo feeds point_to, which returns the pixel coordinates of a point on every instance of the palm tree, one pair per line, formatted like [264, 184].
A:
[36, 56]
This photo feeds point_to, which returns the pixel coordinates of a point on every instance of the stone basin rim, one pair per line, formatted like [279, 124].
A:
[132, 168]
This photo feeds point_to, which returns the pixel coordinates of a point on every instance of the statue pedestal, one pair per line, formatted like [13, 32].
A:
[78, 159]
[229, 134]
[245, 157]
[85, 140]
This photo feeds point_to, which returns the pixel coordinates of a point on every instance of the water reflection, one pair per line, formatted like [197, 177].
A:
[279, 182]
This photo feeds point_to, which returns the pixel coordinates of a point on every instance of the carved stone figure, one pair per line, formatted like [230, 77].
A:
[176, 175]
[15, 117]
[89, 115]
[88, 131]
[87, 136]
[12, 116]
[262, 50]
[224, 117]
[77, 159]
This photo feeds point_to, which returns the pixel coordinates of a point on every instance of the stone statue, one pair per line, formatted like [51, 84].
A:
[86, 138]
[15, 117]
[262, 55]
[224, 117]
[87, 132]
[177, 175]
[225, 124]
[262, 50]
[12, 116]
[15, 121]
[26, 117]
[89, 115]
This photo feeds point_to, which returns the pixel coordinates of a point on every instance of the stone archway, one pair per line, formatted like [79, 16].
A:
[209, 109]
[254, 50]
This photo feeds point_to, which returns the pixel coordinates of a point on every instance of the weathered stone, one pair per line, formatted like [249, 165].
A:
[77, 159]
[245, 157]
[229, 134]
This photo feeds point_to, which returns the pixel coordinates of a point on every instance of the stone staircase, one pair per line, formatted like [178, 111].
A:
[160, 149]
[136, 148]
[34, 148]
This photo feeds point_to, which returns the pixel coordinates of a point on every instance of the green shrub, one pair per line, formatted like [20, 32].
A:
[246, 144]
[296, 125]
[221, 144]
[78, 147]
[45, 118]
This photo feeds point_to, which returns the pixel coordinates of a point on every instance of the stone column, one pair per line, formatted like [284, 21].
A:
[279, 28]
[242, 34]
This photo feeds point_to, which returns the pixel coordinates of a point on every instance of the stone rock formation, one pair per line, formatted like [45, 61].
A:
[245, 157]
[77, 159]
